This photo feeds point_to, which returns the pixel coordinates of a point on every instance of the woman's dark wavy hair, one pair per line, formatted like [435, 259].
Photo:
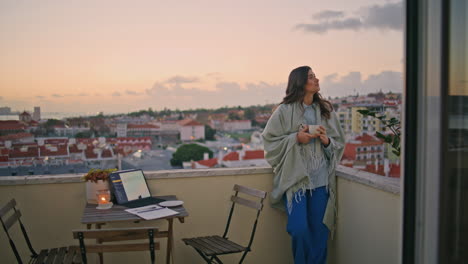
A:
[295, 91]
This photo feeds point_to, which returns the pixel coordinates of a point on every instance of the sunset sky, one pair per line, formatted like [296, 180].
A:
[120, 56]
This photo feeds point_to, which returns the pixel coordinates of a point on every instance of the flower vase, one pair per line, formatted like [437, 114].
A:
[92, 188]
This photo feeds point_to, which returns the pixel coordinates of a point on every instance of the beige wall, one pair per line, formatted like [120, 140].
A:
[186, 132]
[369, 225]
[367, 231]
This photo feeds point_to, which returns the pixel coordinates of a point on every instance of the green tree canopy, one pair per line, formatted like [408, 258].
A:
[189, 152]
[249, 114]
[209, 133]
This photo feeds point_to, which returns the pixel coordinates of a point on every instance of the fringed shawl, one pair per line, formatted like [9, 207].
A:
[285, 155]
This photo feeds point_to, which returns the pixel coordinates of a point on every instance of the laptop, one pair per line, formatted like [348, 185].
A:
[130, 189]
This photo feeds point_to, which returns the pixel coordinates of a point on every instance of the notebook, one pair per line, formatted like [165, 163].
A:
[150, 212]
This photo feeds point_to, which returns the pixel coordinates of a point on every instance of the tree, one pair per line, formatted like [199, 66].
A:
[84, 134]
[249, 114]
[393, 124]
[53, 122]
[255, 123]
[209, 133]
[233, 116]
[189, 152]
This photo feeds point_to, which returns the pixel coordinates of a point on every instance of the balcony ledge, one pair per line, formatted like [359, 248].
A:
[387, 184]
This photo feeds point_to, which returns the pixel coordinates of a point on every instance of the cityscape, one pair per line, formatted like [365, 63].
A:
[165, 140]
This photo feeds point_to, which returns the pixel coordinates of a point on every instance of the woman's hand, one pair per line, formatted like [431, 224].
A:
[323, 136]
[304, 137]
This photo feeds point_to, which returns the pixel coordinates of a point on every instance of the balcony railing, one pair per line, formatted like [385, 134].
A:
[369, 215]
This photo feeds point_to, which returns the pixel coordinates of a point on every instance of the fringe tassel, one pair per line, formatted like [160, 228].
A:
[316, 160]
[298, 192]
[313, 160]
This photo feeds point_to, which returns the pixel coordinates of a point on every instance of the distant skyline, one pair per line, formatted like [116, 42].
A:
[121, 56]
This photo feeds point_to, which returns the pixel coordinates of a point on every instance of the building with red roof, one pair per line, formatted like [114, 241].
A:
[12, 127]
[142, 130]
[204, 164]
[122, 129]
[190, 130]
[367, 152]
[393, 170]
[22, 137]
[364, 149]
[69, 151]
[53, 151]
[254, 154]
[232, 156]
[243, 158]
[25, 117]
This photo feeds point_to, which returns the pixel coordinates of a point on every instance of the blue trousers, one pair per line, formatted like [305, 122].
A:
[309, 235]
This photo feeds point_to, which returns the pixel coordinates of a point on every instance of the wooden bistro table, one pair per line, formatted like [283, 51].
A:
[117, 213]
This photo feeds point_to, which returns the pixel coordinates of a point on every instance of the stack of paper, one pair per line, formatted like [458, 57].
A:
[152, 212]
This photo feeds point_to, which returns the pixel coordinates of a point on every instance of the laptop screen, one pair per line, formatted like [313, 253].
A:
[129, 186]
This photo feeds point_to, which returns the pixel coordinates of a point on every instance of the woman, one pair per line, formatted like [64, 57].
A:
[304, 183]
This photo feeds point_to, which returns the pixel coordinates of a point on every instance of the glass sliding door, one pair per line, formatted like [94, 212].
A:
[435, 193]
[454, 179]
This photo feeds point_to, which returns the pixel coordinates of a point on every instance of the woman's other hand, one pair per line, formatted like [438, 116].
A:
[323, 135]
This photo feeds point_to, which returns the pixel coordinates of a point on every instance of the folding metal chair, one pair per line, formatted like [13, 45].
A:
[210, 247]
[54, 255]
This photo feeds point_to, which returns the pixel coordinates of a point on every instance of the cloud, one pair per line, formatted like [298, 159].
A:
[349, 23]
[330, 78]
[83, 94]
[1, 97]
[327, 14]
[214, 75]
[225, 93]
[386, 80]
[211, 74]
[164, 93]
[175, 85]
[181, 79]
[158, 89]
[227, 86]
[353, 82]
[57, 95]
[388, 16]
[130, 92]
[40, 97]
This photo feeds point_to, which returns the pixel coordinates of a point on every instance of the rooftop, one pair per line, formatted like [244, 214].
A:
[16, 136]
[52, 206]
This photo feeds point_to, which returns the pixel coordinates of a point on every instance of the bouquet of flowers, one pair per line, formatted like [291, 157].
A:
[94, 175]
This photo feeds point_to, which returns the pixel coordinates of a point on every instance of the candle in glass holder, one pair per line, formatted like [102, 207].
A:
[103, 198]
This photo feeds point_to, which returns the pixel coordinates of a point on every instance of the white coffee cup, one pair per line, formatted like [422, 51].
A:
[314, 129]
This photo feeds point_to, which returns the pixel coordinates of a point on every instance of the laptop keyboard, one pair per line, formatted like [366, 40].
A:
[143, 202]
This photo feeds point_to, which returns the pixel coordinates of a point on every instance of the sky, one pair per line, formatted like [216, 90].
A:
[119, 56]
